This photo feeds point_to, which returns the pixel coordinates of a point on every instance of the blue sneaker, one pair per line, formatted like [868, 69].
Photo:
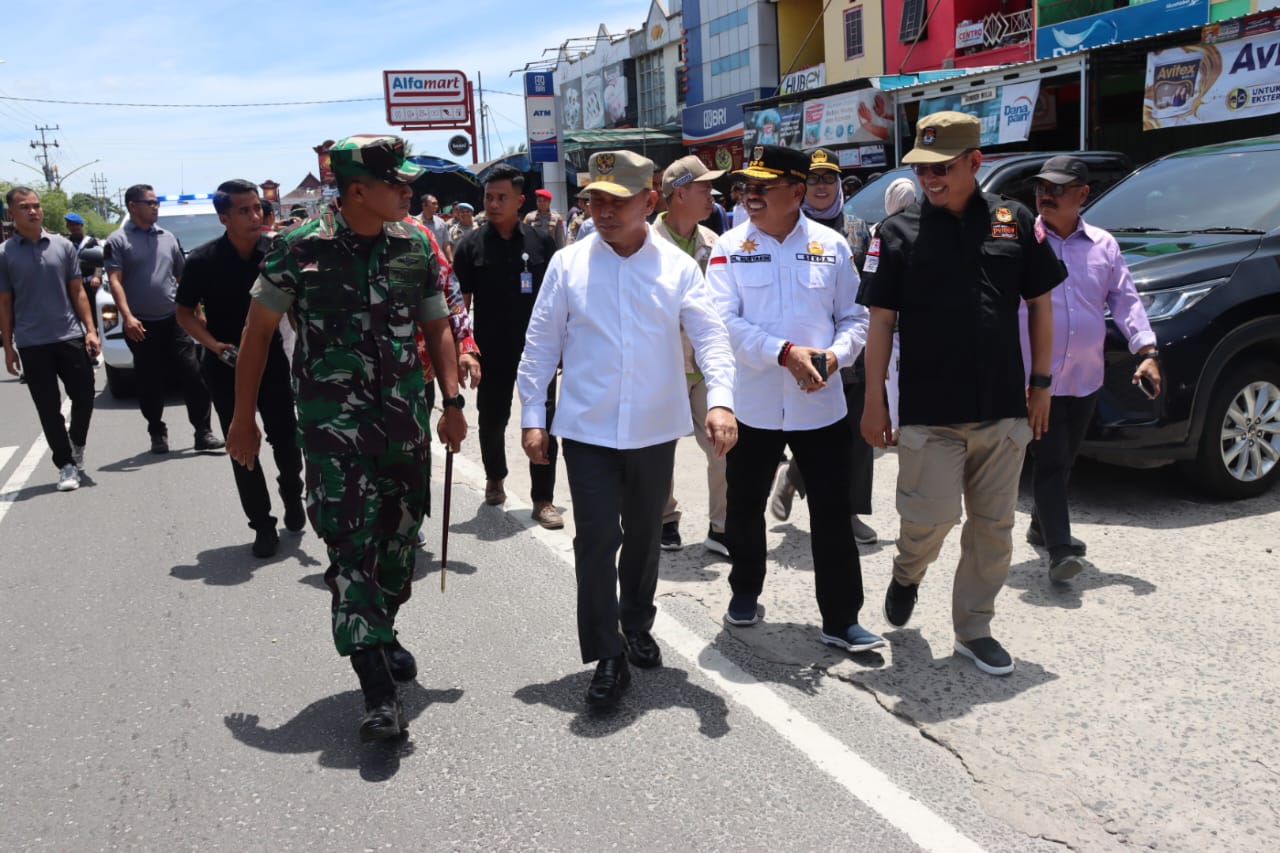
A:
[855, 638]
[743, 611]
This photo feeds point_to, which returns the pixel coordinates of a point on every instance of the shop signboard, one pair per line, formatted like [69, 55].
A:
[1131, 22]
[864, 115]
[1006, 112]
[1204, 83]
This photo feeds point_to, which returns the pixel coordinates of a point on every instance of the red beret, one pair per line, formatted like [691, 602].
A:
[542, 193]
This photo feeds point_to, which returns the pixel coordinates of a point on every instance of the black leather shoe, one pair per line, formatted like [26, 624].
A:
[160, 444]
[266, 542]
[401, 662]
[642, 649]
[206, 440]
[383, 715]
[899, 602]
[295, 516]
[611, 678]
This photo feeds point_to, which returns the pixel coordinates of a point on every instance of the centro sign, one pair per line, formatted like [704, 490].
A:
[426, 96]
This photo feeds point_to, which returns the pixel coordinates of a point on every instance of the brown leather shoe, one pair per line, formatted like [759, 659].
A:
[494, 494]
[544, 512]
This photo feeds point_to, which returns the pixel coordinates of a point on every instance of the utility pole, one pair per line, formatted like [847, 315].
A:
[50, 177]
[100, 193]
[484, 115]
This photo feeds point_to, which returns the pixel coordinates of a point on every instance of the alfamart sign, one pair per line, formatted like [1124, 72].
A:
[1203, 83]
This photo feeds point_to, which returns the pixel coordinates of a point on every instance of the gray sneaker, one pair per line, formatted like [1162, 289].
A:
[77, 455]
[68, 478]
[863, 533]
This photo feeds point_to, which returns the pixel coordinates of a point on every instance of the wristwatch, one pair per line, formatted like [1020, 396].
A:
[1143, 356]
[1040, 380]
[457, 402]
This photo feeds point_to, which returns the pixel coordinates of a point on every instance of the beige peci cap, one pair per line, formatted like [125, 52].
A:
[687, 170]
[620, 173]
[944, 136]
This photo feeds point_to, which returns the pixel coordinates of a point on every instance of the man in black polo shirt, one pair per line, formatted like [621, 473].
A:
[219, 275]
[500, 265]
[951, 271]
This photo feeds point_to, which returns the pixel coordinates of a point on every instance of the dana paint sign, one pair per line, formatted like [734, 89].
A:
[1005, 112]
[419, 97]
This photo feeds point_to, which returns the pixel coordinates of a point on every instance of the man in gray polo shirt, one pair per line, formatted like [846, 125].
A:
[43, 305]
[143, 263]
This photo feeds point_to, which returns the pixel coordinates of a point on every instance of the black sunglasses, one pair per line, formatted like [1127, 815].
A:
[1055, 190]
[760, 189]
[816, 180]
[938, 170]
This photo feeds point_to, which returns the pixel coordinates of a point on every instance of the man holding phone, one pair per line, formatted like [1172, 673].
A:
[1097, 279]
[786, 287]
[219, 276]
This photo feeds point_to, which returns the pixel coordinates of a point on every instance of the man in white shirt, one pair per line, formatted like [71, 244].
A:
[787, 290]
[611, 310]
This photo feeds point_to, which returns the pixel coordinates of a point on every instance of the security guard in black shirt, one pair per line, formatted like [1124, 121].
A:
[219, 275]
[500, 265]
[951, 271]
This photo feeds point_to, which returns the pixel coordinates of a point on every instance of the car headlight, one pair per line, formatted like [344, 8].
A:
[110, 318]
[1163, 304]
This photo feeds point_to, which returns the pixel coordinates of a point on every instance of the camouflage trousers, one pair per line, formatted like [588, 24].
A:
[368, 510]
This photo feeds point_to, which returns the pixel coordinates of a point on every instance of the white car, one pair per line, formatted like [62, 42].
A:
[193, 221]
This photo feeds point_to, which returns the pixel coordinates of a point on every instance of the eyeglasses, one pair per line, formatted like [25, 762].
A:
[149, 202]
[818, 180]
[760, 189]
[1055, 190]
[938, 170]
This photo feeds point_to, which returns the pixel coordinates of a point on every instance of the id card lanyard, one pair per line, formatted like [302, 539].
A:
[526, 277]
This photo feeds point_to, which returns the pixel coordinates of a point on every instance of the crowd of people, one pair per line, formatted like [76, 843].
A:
[955, 329]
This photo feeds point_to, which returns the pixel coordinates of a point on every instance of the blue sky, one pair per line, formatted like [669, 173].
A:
[240, 52]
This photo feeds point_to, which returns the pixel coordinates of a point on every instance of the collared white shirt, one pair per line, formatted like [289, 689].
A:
[614, 323]
[803, 290]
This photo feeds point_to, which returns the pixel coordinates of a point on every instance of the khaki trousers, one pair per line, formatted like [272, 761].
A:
[937, 466]
[717, 489]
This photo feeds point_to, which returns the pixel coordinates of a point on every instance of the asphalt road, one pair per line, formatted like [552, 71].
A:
[163, 689]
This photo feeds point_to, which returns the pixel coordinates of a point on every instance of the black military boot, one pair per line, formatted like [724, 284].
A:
[400, 661]
[383, 716]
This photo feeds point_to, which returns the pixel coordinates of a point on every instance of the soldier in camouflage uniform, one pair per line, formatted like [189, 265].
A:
[361, 283]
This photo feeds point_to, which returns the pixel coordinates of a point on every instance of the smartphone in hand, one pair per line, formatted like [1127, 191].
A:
[1147, 387]
[229, 356]
[819, 362]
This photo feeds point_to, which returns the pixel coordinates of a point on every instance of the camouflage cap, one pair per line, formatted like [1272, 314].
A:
[380, 157]
[944, 136]
[620, 173]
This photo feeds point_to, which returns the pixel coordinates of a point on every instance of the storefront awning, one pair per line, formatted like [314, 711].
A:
[621, 137]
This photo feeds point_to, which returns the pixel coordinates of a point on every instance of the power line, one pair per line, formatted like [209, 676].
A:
[189, 106]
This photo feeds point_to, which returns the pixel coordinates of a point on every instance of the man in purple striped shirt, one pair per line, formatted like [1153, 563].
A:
[1097, 279]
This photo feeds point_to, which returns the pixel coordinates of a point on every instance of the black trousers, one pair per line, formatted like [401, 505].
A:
[824, 458]
[618, 497]
[165, 351]
[279, 424]
[861, 459]
[45, 365]
[493, 400]
[1054, 454]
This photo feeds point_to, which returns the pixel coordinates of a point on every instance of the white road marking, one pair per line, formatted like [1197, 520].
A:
[5, 454]
[866, 783]
[18, 479]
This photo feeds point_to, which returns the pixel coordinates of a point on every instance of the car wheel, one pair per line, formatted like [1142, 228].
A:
[120, 382]
[1239, 455]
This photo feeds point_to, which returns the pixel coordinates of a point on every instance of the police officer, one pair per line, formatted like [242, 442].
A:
[951, 271]
[219, 275]
[786, 288]
[361, 283]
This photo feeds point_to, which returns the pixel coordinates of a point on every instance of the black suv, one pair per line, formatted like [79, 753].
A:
[1200, 231]
[1007, 174]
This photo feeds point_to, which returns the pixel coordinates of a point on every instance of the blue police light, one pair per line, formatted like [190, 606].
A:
[184, 198]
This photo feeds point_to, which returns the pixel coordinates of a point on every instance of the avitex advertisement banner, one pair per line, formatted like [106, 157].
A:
[1203, 83]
